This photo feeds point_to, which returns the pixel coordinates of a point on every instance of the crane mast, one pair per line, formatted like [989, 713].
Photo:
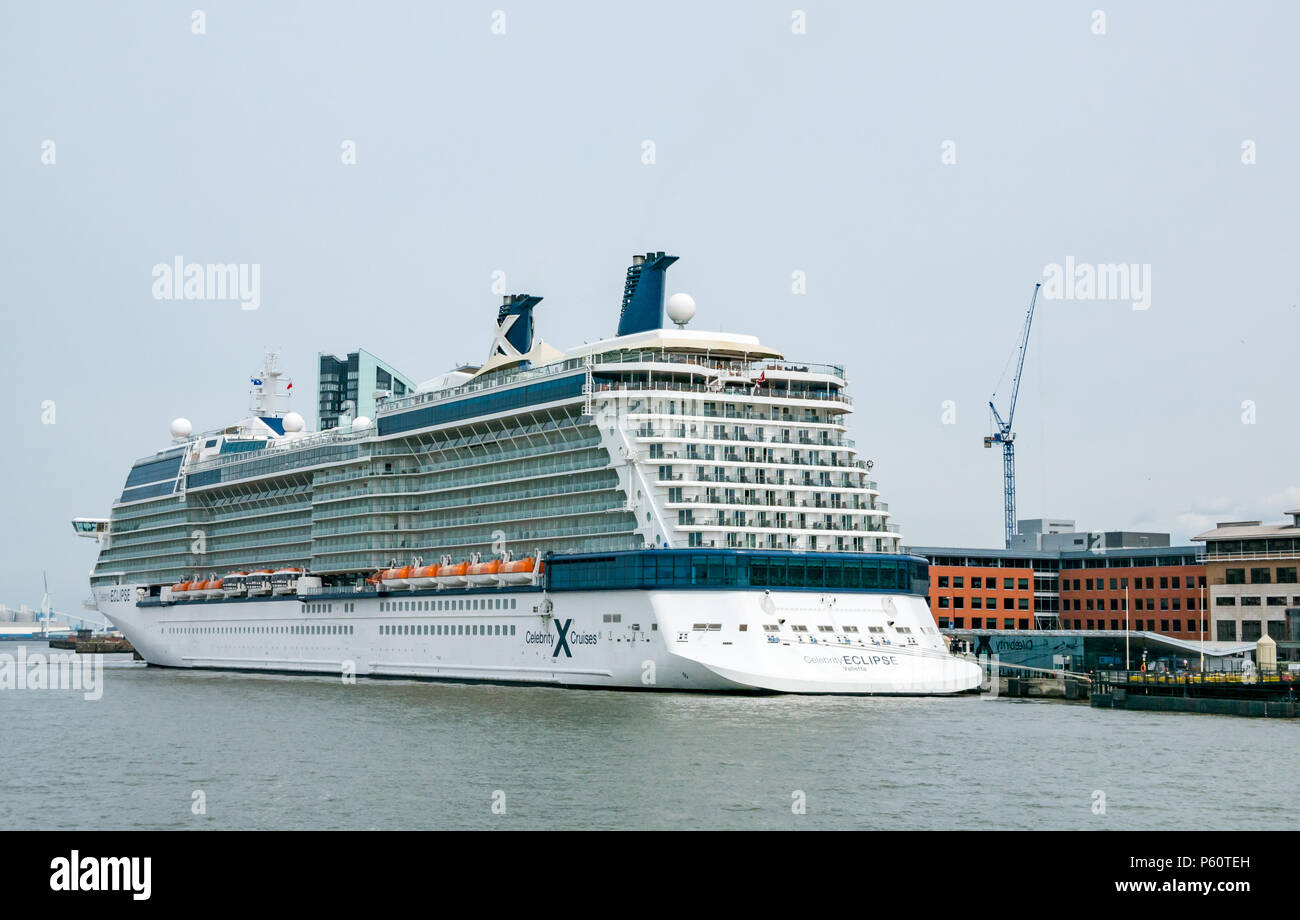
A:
[1002, 433]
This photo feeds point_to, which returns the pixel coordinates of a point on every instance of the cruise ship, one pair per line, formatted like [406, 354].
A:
[667, 508]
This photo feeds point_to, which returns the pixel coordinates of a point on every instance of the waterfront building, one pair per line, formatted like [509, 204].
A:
[1069, 586]
[1251, 572]
[354, 386]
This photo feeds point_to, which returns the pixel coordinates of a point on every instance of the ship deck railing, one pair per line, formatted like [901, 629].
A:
[656, 386]
[718, 364]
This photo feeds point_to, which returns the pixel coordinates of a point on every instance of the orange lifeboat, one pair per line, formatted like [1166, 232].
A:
[211, 587]
[484, 573]
[396, 578]
[233, 584]
[521, 571]
[180, 589]
[423, 576]
[258, 582]
[285, 581]
[452, 575]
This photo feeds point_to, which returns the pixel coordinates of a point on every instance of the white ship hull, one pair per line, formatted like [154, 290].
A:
[709, 640]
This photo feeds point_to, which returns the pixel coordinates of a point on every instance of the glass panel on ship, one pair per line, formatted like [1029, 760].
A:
[718, 461]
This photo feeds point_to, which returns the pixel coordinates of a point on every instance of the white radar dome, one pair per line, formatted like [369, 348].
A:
[360, 422]
[681, 308]
[293, 423]
[181, 428]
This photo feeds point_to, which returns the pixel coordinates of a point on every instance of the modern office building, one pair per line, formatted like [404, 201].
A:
[991, 588]
[1081, 581]
[352, 386]
[1251, 570]
[1161, 589]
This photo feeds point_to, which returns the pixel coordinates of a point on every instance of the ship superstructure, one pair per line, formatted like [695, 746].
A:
[645, 480]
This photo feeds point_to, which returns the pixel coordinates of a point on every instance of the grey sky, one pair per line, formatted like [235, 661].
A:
[775, 152]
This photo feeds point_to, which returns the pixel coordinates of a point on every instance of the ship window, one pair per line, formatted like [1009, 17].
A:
[512, 630]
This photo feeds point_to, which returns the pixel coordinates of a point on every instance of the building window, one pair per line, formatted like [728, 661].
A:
[1250, 630]
[1286, 576]
[1250, 601]
[1227, 631]
[976, 582]
[943, 603]
[1235, 576]
[943, 581]
[1225, 601]
[1007, 583]
[1260, 576]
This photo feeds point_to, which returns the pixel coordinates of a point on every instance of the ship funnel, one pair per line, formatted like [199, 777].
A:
[643, 293]
[514, 334]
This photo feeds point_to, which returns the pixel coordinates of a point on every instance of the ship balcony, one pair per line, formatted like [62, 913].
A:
[679, 433]
[764, 396]
[677, 361]
[878, 510]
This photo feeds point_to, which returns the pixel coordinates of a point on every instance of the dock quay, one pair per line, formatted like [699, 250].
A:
[1268, 693]
[85, 643]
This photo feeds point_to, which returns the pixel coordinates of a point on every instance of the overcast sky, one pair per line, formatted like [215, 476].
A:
[921, 164]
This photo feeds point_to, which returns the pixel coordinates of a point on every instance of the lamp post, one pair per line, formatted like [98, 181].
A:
[1202, 632]
[1126, 658]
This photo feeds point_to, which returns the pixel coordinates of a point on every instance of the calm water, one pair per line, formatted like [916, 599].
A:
[304, 752]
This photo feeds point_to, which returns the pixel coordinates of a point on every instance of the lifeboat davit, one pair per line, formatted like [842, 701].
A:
[520, 571]
[423, 576]
[396, 578]
[285, 581]
[233, 584]
[259, 582]
[484, 573]
[452, 575]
